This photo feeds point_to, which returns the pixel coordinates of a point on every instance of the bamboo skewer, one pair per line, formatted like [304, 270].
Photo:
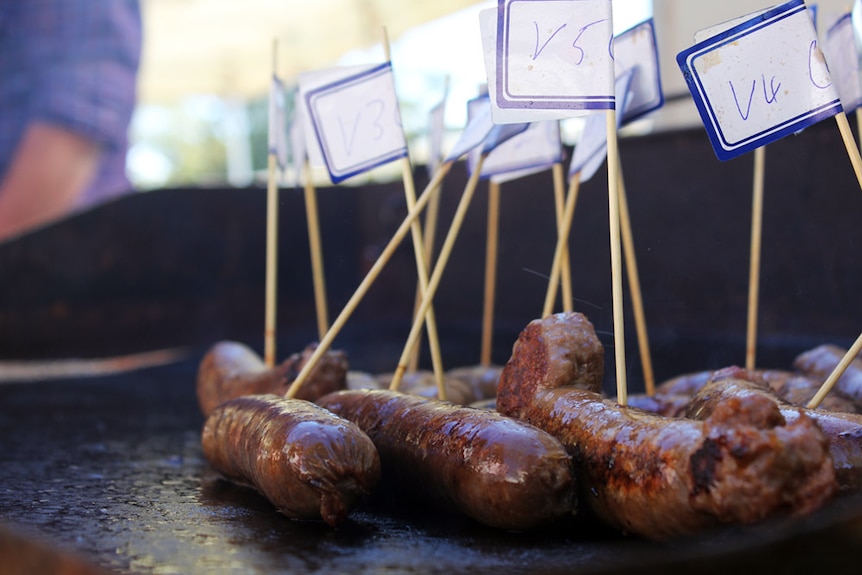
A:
[836, 373]
[439, 267]
[562, 242]
[856, 161]
[432, 213]
[616, 257]
[313, 219]
[491, 245]
[422, 271]
[421, 261]
[271, 245]
[850, 145]
[559, 201]
[635, 291]
[365, 285]
[756, 243]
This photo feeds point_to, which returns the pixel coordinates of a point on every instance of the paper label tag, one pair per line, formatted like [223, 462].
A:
[436, 131]
[555, 54]
[760, 80]
[357, 122]
[636, 49]
[277, 132]
[535, 149]
[840, 48]
[592, 148]
[479, 125]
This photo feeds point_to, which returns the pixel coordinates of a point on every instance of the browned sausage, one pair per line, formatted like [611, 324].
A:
[231, 369]
[500, 472]
[655, 476]
[795, 388]
[308, 462]
[844, 430]
[821, 361]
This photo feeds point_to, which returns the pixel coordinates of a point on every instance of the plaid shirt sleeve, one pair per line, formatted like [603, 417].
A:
[84, 57]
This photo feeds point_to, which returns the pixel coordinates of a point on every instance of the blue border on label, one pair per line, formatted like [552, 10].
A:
[723, 149]
[356, 169]
[545, 102]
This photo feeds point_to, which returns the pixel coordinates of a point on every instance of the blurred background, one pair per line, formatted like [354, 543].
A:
[202, 114]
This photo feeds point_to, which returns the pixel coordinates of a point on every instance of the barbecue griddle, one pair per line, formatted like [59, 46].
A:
[111, 468]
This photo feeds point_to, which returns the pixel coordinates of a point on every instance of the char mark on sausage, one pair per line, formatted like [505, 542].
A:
[309, 463]
[499, 471]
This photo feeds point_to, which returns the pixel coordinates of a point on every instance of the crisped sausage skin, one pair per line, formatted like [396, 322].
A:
[500, 472]
[308, 462]
[655, 476]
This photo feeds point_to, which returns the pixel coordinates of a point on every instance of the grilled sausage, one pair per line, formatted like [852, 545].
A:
[794, 388]
[655, 476]
[821, 361]
[231, 369]
[308, 462]
[844, 430]
[500, 472]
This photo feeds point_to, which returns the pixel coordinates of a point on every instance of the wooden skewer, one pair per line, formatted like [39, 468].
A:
[754, 269]
[850, 145]
[635, 290]
[313, 219]
[439, 267]
[559, 203]
[422, 271]
[365, 285]
[616, 257]
[271, 244]
[836, 373]
[421, 261]
[491, 245]
[432, 214]
[562, 241]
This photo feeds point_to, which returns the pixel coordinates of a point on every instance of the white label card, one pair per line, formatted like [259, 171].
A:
[479, 125]
[636, 49]
[760, 80]
[357, 122]
[277, 133]
[436, 131]
[535, 149]
[554, 55]
[840, 48]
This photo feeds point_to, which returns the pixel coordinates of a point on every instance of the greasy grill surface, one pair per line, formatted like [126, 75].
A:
[112, 469]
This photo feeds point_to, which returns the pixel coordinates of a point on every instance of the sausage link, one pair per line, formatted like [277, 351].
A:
[499, 471]
[843, 430]
[651, 475]
[231, 369]
[308, 462]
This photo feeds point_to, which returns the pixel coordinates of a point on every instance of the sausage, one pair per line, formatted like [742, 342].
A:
[482, 379]
[795, 388]
[655, 476]
[501, 472]
[844, 430]
[306, 461]
[821, 361]
[424, 383]
[231, 369]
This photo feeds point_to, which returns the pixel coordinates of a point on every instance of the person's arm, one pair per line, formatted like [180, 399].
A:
[50, 170]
